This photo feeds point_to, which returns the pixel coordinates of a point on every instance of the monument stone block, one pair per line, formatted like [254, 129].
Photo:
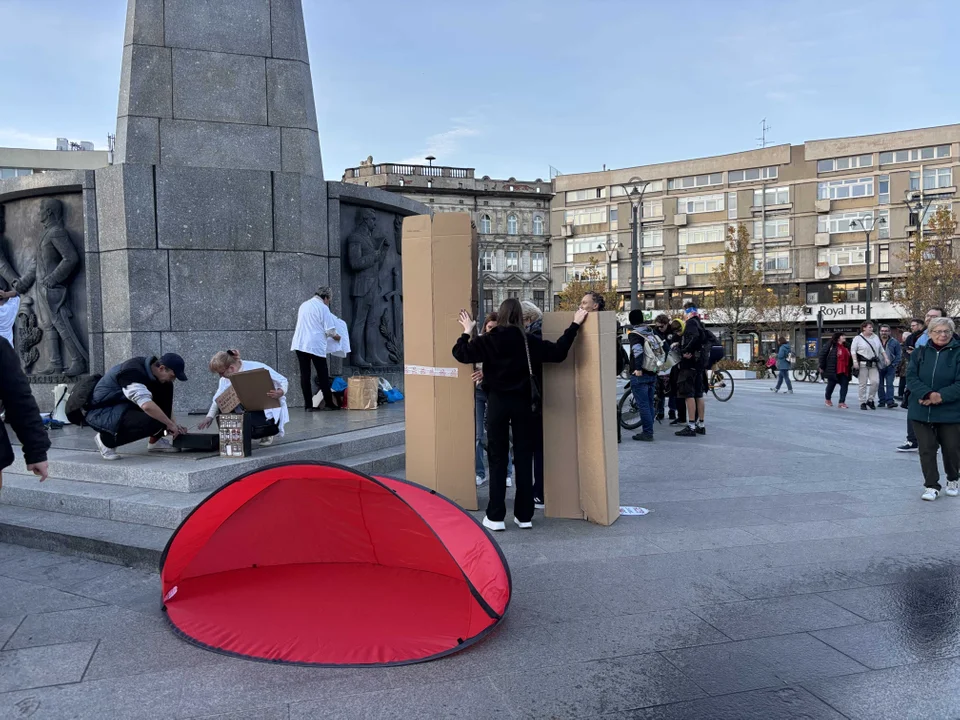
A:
[144, 22]
[301, 152]
[290, 94]
[136, 290]
[145, 82]
[121, 346]
[234, 26]
[299, 214]
[195, 143]
[222, 87]
[291, 279]
[212, 208]
[217, 290]
[126, 212]
[138, 140]
[289, 35]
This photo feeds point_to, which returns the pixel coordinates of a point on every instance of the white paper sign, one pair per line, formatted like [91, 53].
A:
[431, 371]
[632, 510]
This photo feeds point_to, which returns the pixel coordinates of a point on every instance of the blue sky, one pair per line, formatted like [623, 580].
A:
[511, 88]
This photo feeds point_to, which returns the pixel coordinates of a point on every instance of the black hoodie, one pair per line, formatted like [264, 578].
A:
[504, 357]
[22, 412]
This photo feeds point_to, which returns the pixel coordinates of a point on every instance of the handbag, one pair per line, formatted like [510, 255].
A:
[536, 399]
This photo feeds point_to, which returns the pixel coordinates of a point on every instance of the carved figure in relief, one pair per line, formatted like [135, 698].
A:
[365, 252]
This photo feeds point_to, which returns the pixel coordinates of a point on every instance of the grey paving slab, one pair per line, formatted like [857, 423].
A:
[148, 652]
[704, 539]
[63, 575]
[48, 665]
[124, 587]
[89, 623]
[918, 692]
[809, 530]
[763, 662]
[274, 712]
[789, 580]
[775, 616]
[924, 596]
[8, 626]
[897, 642]
[19, 598]
[792, 703]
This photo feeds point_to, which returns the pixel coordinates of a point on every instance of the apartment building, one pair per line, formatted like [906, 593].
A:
[15, 162]
[512, 218]
[805, 207]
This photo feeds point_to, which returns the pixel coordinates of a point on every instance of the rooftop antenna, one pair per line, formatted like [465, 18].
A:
[763, 204]
[763, 133]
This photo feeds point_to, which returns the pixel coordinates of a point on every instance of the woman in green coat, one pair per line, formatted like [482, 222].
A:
[933, 378]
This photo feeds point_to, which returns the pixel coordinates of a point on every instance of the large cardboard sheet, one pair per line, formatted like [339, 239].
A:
[439, 270]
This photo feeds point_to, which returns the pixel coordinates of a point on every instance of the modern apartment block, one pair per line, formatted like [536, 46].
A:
[68, 156]
[797, 202]
[512, 217]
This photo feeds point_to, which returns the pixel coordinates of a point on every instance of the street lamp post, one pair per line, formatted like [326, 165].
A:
[866, 231]
[610, 248]
[634, 190]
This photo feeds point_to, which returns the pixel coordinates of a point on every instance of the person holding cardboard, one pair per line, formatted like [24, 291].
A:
[512, 360]
[315, 325]
[228, 363]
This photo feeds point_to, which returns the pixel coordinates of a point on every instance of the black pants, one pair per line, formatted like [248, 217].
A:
[506, 411]
[843, 381]
[538, 456]
[902, 386]
[323, 376]
[932, 437]
[135, 425]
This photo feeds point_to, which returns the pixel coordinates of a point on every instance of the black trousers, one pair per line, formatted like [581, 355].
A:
[843, 381]
[932, 437]
[323, 377]
[506, 411]
[135, 425]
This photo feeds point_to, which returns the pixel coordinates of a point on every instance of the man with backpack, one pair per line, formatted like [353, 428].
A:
[647, 357]
[691, 378]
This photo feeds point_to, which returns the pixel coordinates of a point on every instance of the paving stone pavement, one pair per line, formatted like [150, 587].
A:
[788, 569]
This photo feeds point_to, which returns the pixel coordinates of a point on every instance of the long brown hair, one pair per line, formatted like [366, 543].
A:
[510, 314]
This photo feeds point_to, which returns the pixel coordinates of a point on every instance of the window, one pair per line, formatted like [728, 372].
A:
[840, 223]
[927, 153]
[540, 298]
[778, 227]
[537, 225]
[652, 268]
[695, 181]
[652, 237]
[884, 258]
[700, 203]
[588, 272]
[701, 234]
[883, 190]
[513, 261]
[842, 256]
[485, 224]
[511, 224]
[614, 213]
[586, 245]
[586, 216]
[590, 194]
[701, 265]
[538, 262]
[653, 208]
[775, 196]
[732, 206]
[752, 175]
[883, 228]
[7, 173]
[842, 189]
[487, 301]
[652, 186]
[488, 260]
[931, 211]
[844, 163]
[933, 178]
[778, 261]
[513, 293]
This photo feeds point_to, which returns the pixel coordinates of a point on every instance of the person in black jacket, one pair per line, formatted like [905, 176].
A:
[23, 416]
[690, 377]
[506, 373]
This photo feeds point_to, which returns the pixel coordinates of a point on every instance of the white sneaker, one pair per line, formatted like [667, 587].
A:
[538, 504]
[930, 494]
[163, 445]
[480, 480]
[267, 441]
[105, 452]
[953, 488]
[509, 481]
[495, 525]
[524, 525]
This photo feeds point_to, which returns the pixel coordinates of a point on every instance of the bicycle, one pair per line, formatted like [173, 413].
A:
[719, 382]
[806, 370]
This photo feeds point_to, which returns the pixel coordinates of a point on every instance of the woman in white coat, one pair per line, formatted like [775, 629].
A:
[227, 363]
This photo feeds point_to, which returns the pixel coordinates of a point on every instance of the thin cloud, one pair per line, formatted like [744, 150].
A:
[444, 145]
[11, 137]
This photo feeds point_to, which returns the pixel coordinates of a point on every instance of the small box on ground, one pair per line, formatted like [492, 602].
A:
[235, 435]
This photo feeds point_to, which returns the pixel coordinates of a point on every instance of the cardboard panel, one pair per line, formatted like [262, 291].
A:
[439, 262]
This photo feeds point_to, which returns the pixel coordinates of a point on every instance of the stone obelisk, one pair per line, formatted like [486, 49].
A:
[213, 221]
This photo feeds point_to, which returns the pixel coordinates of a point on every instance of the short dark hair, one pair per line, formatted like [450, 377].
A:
[865, 323]
[918, 321]
[884, 326]
[636, 317]
[943, 313]
[781, 340]
[598, 299]
[662, 320]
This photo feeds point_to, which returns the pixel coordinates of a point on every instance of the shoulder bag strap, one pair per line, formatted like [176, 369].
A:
[526, 346]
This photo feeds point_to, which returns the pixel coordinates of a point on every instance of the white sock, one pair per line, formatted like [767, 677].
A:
[692, 425]
[699, 423]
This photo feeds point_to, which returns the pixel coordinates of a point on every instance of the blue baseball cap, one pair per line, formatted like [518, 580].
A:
[175, 363]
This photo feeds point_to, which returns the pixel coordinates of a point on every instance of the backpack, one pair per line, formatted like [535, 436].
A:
[79, 401]
[622, 359]
[791, 357]
[654, 355]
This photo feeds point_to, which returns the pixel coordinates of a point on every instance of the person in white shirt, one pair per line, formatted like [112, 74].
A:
[228, 363]
[9, 307]
[868, 358]
[315, 324]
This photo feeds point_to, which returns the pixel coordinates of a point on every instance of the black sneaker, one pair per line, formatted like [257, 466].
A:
[686, 432]
[908, 447]
[863, 406]
[672, 415]
[701, 430]
[871, 404]
[538, 503]
[678, 422]
[643, 437]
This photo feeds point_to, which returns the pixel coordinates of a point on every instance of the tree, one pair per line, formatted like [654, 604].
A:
[739, 297]
[932, 277]
[590, 280]
[784, 310]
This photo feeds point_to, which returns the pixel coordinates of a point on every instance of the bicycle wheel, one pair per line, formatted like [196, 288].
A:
[799, 374]
[721, 385]
[628, 412]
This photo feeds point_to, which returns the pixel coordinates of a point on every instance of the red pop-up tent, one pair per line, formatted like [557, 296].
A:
[317, 564]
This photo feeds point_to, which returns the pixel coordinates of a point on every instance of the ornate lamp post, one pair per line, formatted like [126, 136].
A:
[866, 231]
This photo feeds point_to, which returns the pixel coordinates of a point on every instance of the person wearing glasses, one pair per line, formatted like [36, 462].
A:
[917, 339]
[933, 379]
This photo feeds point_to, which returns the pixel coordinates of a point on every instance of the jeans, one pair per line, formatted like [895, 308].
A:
[135, 425]
[885, 385]
[506, 411]
[944, 437]
[843, 381]
[643, 389]
[784, 374]
[869, 382]
[323, 377]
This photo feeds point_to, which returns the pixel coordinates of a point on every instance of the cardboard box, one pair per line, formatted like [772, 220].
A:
[439, 279]
[581, 466]
[248, 388]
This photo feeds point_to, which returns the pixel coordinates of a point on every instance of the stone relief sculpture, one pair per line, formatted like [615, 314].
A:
[391, 283]
[46, 317]
[366, 249]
